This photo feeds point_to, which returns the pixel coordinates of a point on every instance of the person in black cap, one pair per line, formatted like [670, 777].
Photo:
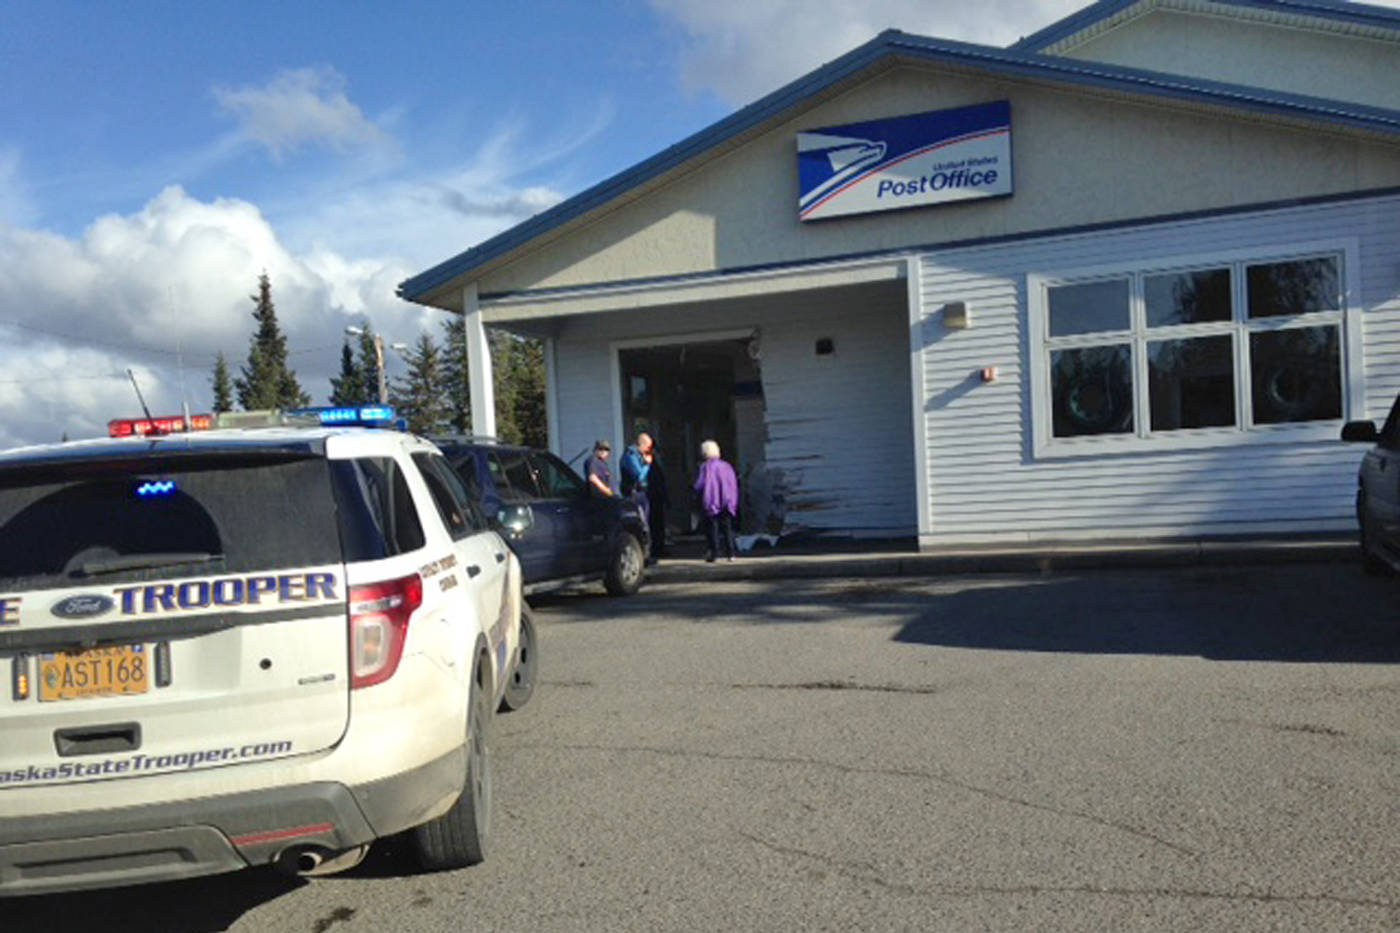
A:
[596, 469]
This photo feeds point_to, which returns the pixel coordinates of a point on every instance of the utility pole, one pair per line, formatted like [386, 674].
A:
[378, 359]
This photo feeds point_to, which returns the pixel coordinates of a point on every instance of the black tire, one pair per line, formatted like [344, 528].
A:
[460, 837]
[626, 567]
[521, 685]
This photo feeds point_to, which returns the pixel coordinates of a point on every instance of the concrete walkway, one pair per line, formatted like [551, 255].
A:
[772, 564]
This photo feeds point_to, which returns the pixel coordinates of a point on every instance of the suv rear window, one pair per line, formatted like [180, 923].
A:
[134, 520]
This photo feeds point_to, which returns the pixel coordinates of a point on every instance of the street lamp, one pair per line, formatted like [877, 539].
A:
[378, 358]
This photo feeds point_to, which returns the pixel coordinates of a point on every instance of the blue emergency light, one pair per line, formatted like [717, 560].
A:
[368, 415]
[155, 488]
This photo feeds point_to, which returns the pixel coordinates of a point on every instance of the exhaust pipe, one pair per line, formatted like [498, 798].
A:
[308, 860]
[311, 861]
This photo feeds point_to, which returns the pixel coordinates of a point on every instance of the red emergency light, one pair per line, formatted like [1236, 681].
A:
[174, 424]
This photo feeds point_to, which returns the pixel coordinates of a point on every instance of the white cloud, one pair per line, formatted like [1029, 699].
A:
[303, 106]
[741, 49]
[132, 290]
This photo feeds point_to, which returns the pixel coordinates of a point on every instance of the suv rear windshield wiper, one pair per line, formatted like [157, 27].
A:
[95, 568]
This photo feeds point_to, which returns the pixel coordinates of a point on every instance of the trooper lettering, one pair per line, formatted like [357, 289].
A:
[228, 592]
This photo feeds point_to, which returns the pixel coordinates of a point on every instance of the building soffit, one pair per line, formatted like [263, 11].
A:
[442, 285]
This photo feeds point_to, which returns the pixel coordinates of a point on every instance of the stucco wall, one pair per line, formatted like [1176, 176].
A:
[1078, 159]
[1256, 54]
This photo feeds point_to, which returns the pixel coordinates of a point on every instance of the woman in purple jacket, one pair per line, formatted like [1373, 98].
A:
[719, 499]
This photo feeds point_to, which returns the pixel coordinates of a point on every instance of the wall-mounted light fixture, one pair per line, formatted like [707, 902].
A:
[956, 316]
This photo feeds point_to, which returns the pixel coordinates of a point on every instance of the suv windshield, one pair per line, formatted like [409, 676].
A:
[69, 523]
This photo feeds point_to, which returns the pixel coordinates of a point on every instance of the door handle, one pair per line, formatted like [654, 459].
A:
[473, 570]
[500, 558]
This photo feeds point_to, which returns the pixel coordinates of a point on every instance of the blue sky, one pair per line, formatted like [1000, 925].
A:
[155, 157]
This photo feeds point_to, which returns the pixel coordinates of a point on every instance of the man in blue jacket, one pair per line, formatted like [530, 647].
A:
[635, 465]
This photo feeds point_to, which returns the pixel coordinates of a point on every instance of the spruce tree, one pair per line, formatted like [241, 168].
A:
[349, 387]
[455, 387]
[223, 386]
[265, 381]
[418, 397]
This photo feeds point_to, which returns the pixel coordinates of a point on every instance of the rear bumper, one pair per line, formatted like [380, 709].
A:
[187, 838]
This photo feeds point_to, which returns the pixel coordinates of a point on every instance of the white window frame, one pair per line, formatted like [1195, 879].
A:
[1142, 439]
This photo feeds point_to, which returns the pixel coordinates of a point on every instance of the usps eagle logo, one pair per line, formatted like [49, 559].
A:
[909, 161]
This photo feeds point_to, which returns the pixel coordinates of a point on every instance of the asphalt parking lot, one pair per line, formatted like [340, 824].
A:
[1208, 748]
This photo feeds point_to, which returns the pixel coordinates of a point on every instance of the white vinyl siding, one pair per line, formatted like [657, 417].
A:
[837, 425]
[985, 479]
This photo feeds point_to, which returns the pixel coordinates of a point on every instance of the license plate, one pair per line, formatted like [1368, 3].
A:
[116, 671]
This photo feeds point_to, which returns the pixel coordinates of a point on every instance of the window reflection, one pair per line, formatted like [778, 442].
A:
[1296, 374]
[1300, 286]
[1191, 383]
[1089, 307]
[1187, 297]
[1092, 388]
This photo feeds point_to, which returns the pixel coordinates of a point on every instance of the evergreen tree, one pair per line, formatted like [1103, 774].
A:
[518, 379]
[419, 396]
[349, 387]
[223, 386]
[369, 366]
[265, 381]
[455, 387]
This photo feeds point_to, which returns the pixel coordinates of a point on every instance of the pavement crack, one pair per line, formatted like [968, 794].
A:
[866, 872]
[900, 773]
[839, 685]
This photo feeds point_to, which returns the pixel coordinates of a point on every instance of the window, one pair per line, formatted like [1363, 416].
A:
[229, 512]
[1147, 357]
[376, 510]
[515, 481]
[459, 513]
[557, 481]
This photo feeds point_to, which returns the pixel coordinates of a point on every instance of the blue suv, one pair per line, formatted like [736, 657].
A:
[562, 529]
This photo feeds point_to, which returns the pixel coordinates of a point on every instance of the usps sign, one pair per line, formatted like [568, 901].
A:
[924, 158]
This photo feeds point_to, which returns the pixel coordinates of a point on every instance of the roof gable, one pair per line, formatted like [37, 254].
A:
[888, 49]
[1334, 15]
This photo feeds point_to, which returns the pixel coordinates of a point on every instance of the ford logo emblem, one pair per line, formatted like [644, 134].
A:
[82, 607]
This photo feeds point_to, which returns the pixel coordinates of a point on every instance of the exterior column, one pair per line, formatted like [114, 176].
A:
[483, 396]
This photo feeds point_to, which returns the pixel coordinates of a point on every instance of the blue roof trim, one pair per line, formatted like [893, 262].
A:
[1362, 14]
[891, 44]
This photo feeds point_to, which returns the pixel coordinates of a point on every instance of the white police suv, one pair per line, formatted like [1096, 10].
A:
[240, 647]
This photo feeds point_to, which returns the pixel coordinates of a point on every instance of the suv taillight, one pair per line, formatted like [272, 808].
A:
[379, 614]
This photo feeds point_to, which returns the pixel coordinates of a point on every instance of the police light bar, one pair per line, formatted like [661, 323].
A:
[174, 424]
[369, 415]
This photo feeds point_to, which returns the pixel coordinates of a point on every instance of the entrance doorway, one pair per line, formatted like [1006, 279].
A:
[684, 393]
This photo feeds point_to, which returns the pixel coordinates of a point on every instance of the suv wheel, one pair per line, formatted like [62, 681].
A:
[624, 574]
[522, 679]
[460, 836]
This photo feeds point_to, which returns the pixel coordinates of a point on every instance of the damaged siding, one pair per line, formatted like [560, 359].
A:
[839, 455]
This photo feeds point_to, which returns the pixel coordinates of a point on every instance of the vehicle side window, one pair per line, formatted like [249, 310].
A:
[513, 476]
[453, 511]
[443, 480]
[375, 488]
[557, 481]
[1390, 434]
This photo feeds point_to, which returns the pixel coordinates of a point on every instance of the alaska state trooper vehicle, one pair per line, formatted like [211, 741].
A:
[244, 647]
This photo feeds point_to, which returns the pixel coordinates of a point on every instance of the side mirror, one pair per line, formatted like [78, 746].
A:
[515, 520]
[1364, 431]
